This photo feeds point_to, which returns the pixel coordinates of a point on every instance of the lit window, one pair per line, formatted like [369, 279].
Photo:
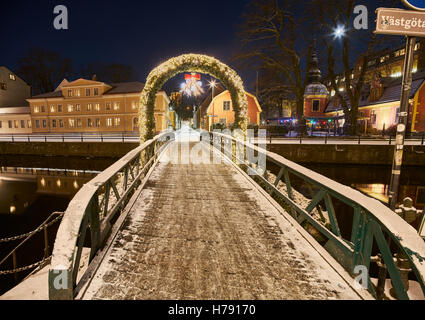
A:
[89, 106]
[60, 123]
[89, 123]
[16, 124]
[29, 125]
[226, 105]
[133, 105]
[77, 93]
[12, 77]
[79, 123]
[71, 123]
[44, 123]
[69, 93]
[109, 122]
[37, 123]
[97, 106]
[97, 122]
[77, 107]
[117, 121]
[36, 109]
[70, 108]
[116, 105]
[108, 106]
[52, 108]
[88, 92]
[96, 91]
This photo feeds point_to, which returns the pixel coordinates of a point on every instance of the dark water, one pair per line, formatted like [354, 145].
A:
[29, 194]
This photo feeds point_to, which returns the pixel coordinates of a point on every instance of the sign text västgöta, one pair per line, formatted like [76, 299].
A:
[400, 22]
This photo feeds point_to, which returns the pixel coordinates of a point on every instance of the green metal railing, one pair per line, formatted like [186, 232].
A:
[93, 211]
[374, 226]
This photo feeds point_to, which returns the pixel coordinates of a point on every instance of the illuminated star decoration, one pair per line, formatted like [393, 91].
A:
[339, 32]
[192, 85]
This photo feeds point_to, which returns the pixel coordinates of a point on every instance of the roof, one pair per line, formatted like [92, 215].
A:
[126, 87]
[15, 110]
[116, 88]
[392, 92]
[206, 102]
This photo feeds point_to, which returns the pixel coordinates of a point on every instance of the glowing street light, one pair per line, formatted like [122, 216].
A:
[212, 84]
[339, 32]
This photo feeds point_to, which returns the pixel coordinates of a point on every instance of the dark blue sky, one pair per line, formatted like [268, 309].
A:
[135, 32]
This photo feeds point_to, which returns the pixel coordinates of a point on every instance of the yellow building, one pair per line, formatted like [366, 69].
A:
[94, 106]
[15, 120]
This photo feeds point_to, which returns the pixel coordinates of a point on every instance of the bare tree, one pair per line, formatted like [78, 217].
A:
[272, 38]
[348, 84]
[43, 69]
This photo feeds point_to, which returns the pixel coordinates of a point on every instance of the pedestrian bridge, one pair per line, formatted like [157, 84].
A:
[177, 218]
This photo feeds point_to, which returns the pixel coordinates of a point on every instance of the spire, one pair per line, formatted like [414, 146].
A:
[314, 73]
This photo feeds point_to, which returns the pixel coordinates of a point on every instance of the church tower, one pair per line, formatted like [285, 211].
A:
[316, 94]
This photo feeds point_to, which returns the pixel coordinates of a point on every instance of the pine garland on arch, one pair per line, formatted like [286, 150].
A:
[190, 63]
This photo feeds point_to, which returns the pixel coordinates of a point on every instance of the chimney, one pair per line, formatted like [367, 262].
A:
[94, 77]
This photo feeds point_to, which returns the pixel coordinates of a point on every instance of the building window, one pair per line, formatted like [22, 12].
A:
[109, 122]
[88, 92]
[54, 123]
[133, 105]
[89, 107]
[373, 117]
[77, 93]
[69, 93]
[226, 105]
[60, 123]
[44, 123]
[10, 124]
[97, 123]
[22, 123]
[59, 108]
[71, 123]
[43, 109]
[89, 123]
[3, 86]
[116, 105]
[79, 123]
[12, 77]
[70, 108]
[77, 107]
[37, 123]
[420, 196]
[0, 124]
[29, 124]
[16, 122]
[36, 109]
[316, 105]
[108, 106]
[97, 106]
[52, 108]
[117, 121]
[96, 91]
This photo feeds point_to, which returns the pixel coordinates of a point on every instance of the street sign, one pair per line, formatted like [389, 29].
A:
[415, 4]
[400, 22]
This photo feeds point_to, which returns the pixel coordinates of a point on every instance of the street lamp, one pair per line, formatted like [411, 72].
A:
[212, 84]
[339, 32]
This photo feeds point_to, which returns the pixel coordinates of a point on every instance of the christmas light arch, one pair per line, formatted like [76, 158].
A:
[190, 63]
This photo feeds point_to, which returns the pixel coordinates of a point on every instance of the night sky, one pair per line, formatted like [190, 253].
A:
[138, 33]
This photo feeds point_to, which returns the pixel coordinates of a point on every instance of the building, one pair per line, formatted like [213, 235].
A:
[93, 106]
[13, 90]
[15, 120]
[220, 109]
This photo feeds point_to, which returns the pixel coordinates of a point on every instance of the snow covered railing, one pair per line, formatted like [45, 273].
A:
[354, 228]
[94, 209]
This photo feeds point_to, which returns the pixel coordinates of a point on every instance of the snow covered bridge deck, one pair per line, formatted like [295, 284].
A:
[178, 219]
[204, 231]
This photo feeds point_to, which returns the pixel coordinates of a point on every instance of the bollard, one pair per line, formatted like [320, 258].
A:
[82, 139]
[390, 139]
[423, 138]
[45, 138]
[101, 137]
[28, 136]
[13, 139]
[63, 137]
[122, 137]
[359, 138]
[326, 139]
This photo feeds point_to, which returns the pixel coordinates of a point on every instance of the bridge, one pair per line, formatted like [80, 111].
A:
[181, 218]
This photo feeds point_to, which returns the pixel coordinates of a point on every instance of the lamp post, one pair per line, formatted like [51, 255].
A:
[212, 85]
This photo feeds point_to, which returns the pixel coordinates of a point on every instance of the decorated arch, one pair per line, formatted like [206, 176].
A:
[190, 63]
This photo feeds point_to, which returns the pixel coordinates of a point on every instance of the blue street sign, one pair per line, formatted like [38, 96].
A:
[415, 4]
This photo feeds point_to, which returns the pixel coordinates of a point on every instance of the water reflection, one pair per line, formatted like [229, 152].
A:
[20, 187]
